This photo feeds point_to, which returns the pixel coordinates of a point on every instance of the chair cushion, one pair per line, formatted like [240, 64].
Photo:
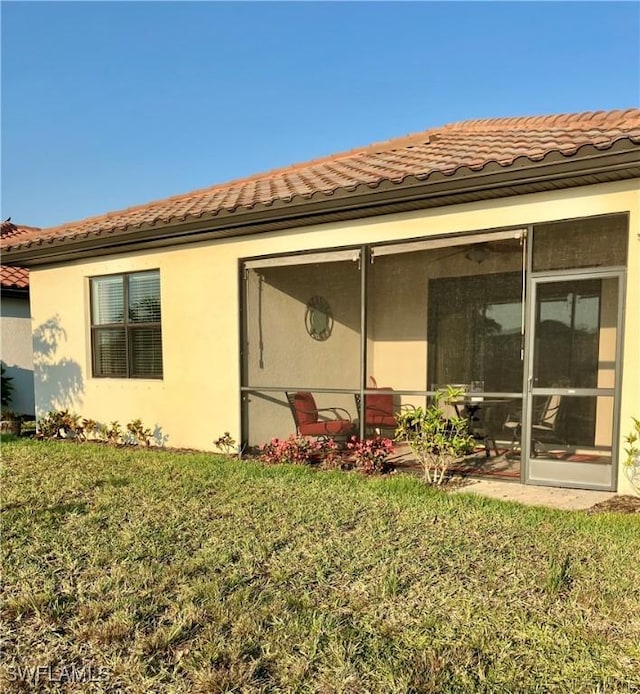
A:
[379, 409]
[331, 427]
[306, 408]
[380, 420]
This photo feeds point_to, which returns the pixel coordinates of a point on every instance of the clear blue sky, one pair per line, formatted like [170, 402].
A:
[106, 105]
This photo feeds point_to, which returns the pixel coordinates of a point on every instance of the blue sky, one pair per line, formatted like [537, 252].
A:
[106, 105]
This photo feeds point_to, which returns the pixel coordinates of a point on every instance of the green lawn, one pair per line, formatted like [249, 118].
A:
[190, 573]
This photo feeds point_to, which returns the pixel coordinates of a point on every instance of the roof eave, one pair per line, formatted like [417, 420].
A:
[621, 161]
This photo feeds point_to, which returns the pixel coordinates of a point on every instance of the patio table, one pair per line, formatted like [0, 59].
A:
[474, 409]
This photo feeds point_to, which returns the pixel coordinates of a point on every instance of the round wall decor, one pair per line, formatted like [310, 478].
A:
[318, 318]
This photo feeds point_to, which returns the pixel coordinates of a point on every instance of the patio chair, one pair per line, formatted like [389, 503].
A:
[378, 410]
[309, 421]
[546, 427]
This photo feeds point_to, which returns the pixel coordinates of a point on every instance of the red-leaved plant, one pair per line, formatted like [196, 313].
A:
[298, 450]
[331, 455]
[371, 455]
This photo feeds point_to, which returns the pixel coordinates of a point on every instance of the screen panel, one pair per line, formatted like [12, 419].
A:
[577, 243]
[447, 316]
[303, 325]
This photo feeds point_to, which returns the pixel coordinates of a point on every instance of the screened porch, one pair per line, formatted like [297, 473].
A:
[360, 334]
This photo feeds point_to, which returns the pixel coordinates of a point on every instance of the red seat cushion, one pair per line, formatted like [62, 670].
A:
[331, 427]
[379, 409]
[306, 408]
[377, 420]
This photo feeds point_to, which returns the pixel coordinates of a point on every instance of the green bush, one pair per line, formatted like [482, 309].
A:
[436, 440]
[6, 386]
[62, 424]
[137, 433]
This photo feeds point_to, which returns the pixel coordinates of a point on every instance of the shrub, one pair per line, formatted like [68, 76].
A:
[632, 461]
[435, 439]
[91, 429]
[6, 386]
[296, 450]
[113, 433]
[63, 424]
[371, 455]
[332, 458]
[226, 444]
[60, 424]
[138, 433]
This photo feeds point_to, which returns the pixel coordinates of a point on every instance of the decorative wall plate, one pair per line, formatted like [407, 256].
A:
[318, 318]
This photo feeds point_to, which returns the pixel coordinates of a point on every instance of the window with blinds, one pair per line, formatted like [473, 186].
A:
[126, 333]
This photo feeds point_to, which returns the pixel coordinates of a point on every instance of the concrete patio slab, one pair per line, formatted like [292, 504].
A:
[530, 495]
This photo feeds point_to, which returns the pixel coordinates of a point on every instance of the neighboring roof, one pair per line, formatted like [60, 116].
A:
[446, 152]
[15, 277]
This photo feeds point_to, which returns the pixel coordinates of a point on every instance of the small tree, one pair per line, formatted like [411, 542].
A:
[436, 440]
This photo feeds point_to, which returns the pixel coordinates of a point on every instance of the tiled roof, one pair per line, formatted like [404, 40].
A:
[444, 151]
[15, 277]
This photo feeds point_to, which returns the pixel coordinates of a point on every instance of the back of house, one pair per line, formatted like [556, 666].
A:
[500, 256]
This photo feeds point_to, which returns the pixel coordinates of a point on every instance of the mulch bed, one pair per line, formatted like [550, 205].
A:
[618, 504]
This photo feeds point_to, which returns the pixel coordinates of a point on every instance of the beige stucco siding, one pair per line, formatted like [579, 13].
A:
[198, 398]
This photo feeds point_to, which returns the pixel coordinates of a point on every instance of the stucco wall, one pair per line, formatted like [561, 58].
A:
[17, 352]
[198, 398]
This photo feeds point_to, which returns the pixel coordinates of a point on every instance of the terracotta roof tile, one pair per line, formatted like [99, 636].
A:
[445, 150]
[14, 277]
[9, 230]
